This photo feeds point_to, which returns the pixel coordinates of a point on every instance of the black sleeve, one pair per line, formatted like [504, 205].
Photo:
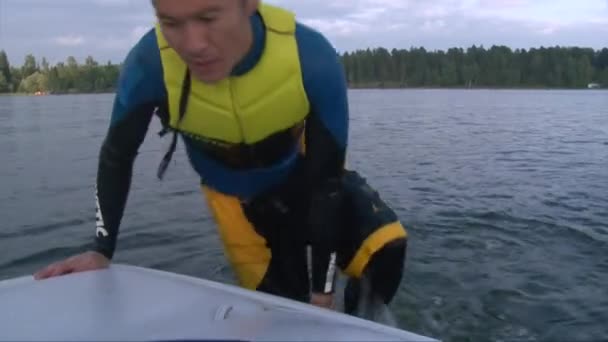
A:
[115, 168]
[326, 145]
[325, 166]
[140, 89]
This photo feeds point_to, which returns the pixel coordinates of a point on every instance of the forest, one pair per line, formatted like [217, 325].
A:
[474, 67]
[64, 77]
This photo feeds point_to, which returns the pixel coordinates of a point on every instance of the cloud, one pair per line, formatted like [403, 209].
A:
[119, 3]
[440, 24]
[125, 41]
[69, 40]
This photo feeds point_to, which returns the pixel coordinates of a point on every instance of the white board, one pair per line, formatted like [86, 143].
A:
[130, 303]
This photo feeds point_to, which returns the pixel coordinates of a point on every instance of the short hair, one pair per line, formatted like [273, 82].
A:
[154, 2]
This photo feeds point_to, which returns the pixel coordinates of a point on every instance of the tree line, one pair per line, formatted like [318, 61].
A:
[498, 66]
[64, 77]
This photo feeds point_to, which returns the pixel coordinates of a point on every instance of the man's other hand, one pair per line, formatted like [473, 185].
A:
[322, 300]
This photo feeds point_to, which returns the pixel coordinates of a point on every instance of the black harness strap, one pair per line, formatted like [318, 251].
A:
[183, 104]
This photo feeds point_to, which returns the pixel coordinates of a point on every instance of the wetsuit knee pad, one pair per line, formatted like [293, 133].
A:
[370, 225]
[373, 240]
[385, 269]
[383, 275]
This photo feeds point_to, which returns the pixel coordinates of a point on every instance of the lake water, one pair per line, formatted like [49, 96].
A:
[504, 194]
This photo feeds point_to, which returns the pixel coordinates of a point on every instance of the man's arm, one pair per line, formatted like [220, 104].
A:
[140, 91]
[326, 142]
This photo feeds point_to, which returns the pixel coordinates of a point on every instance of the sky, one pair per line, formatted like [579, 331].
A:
[107, 29]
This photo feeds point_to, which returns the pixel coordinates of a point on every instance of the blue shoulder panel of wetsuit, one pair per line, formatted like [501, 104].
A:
[141, 79]
[324, 81]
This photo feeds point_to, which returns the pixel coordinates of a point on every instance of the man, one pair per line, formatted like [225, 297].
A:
[260, 102]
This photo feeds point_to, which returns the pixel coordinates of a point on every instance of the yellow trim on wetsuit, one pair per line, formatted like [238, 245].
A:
[373, 243]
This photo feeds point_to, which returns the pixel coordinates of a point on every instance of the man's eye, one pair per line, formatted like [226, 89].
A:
[169, 23]
[207, 19]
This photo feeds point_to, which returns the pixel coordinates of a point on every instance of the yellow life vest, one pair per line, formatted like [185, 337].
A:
[245, 109]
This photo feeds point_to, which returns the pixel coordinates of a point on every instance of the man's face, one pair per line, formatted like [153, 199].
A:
[211, 36]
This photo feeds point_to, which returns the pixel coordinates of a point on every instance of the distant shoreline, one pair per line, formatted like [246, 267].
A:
[497, 67]
[350, 88]
[56, 94]
[393, 85]
[466, 88]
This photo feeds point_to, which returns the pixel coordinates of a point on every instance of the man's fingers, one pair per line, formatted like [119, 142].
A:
[53, 270]
[44, 273]
[57, 270]
[77, 263]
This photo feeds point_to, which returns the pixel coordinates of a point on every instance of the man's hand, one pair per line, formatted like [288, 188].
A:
[323, 300]
[82, 262]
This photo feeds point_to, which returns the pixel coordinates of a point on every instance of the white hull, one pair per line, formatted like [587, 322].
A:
[129, 303]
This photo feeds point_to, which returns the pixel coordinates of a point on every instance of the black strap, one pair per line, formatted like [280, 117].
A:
[183, 103]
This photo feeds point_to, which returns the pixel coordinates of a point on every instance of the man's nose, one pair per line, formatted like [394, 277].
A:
[196, 38]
